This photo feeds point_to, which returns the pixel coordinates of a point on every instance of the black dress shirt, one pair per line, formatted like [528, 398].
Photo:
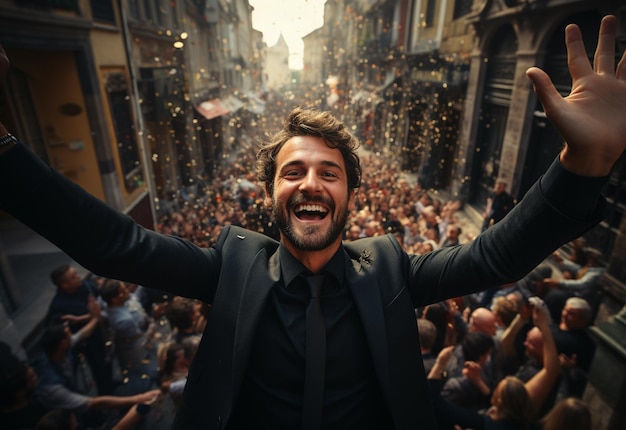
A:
[271, 396]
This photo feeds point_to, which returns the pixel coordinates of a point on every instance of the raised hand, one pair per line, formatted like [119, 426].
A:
[591, 118]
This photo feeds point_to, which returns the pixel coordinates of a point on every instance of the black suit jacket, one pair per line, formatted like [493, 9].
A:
[236, 275]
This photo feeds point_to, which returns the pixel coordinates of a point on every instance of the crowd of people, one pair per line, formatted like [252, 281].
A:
[271, 355]
[123, 358]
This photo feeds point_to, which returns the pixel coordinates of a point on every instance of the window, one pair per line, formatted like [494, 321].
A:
[102, 11]
[429, 17]
[122, 116]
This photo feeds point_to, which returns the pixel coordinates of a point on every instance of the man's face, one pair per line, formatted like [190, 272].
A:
[452, 232]
[482, 320]
[355, 233]
[71, 281]
[534, 344]
[573, 319]
[311, 202]
[123, 294]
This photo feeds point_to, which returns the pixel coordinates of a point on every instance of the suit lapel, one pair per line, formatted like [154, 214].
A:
[262, 276]
[365, 291]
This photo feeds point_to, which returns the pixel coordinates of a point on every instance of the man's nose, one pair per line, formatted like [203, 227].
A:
[311, 182]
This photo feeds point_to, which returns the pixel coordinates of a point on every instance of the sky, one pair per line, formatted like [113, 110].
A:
[293, 18]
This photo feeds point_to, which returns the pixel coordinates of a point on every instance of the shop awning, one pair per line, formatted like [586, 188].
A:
[211, 108]
[217, 107]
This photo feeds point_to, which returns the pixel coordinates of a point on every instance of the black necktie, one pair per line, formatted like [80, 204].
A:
[315, 364]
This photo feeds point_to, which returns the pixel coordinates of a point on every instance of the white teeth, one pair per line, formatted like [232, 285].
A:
[310, 208]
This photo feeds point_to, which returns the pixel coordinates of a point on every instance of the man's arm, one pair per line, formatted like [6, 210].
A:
[114, 402]
[94, 318]
[566, 202]
[541, 384]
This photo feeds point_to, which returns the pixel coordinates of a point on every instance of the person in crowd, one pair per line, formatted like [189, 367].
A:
[469, 389]
[447, 321]
[19, 406]
[570, 413]
[59, 384]
[483, 320]
[575, 345]
[131, 342]
[504, 310]
[541, 352]
[514, 403]
[428, 335]
[392, 224]
[583, 283]
[499, 203]
[575, 259]
[429, 220]
[354, 233]
[183, 315]
[423, 201]
[254, 346]
[452, 237]
[69, 304]
[412, 235]
[175, 362]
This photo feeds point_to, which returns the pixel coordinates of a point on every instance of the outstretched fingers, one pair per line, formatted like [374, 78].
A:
[577, 60]
[545, 89]
[604, 57]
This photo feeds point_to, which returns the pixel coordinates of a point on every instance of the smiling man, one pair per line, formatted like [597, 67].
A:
[254, 366]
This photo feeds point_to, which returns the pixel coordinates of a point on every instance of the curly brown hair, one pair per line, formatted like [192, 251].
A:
[311, 122]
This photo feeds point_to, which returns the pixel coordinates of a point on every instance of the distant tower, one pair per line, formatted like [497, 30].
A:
[277, 65]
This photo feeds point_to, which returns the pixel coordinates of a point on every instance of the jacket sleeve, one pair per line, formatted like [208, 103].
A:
[99, 238]
[560, 207]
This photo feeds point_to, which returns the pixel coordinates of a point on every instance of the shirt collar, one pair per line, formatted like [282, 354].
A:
[291, 267]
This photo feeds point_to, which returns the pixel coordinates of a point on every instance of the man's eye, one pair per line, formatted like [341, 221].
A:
[329, 174]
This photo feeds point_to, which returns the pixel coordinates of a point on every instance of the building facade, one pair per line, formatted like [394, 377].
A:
[134, 114]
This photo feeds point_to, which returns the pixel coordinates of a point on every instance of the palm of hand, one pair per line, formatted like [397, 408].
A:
[591, 118]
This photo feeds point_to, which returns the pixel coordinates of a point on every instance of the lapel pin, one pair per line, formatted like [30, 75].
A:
[365, 257]
[239, 236]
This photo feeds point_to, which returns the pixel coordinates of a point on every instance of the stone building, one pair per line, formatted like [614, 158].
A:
[115, 95]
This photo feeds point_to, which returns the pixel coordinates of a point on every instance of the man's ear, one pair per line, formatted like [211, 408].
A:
[352, 201]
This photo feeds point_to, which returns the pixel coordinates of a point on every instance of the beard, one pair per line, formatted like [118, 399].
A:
[310, 238]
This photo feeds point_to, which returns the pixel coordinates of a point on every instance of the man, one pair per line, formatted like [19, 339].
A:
[70, 305]
[575, 346]
[19, 407]
[249, 371]
[499, 203]
[130, 340]
[452, 237]
[58, 385]
[583, 283]
[482, 320]
[428, 335]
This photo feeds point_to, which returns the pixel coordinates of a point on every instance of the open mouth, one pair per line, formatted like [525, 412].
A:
[310, 212]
